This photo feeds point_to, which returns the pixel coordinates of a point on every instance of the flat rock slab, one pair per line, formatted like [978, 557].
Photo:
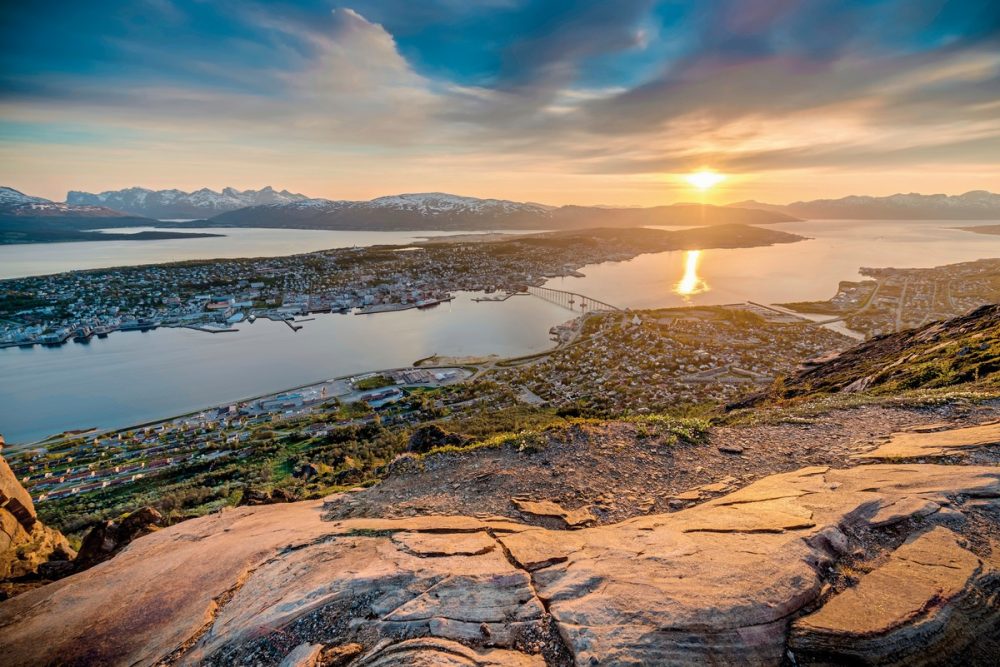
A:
[716, 583]
[425, 652]
[439, 545]
[303, 655]
[934, 444]
[420, 524]
[920, 593]
[572, 518]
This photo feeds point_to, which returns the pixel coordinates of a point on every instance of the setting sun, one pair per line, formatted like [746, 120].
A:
[705, 179]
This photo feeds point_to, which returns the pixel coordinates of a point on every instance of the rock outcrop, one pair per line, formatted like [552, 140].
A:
[933, 602]
[25, 542]
[108, 538]
[725, 582]
[924, 444]
[571, 518]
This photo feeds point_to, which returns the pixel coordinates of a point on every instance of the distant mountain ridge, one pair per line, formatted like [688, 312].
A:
[203, 203]
[10, 197]
[28, 219]
[973, 205]
[14, 203]
[440, 211]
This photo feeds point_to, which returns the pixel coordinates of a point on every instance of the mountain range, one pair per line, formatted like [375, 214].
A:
[23, 217]
[440, 211]
[28, 219]
[974, 205]
[161, 204]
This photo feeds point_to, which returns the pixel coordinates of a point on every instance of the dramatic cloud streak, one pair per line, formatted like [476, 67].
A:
[588, 101]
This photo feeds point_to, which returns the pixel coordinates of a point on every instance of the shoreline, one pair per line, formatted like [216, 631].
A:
[97, 431]
[475, 367]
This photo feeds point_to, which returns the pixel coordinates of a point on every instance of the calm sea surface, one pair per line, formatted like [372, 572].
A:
[38, 259]
[133, 377]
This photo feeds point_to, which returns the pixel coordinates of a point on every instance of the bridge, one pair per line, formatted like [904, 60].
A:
[572, 300]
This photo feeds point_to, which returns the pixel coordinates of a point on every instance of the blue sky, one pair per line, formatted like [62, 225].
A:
[558, 101]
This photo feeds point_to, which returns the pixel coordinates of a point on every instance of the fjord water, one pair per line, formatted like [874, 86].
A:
[135, 377]
[39, 259]
[808, 270]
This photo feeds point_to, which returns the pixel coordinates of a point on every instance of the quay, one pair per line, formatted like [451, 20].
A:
[395, 307]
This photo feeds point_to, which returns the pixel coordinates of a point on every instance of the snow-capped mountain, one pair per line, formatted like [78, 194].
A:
[417, 211]
[441, 211]
[164, 204]
[436, 203]
[11, 197]
[14, 203]
[27, 219]
[974, 205]
[47, 208]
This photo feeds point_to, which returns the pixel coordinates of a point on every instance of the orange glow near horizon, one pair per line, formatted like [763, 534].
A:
[690, 284]
[705, 179]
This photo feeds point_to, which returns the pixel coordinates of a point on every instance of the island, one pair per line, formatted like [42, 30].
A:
[46, 230]
[213, 295]
[982, 229]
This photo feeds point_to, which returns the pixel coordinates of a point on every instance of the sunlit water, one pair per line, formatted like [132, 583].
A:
[134, 377]
[807, 270]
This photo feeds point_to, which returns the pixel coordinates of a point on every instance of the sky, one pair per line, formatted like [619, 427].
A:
[588, 102]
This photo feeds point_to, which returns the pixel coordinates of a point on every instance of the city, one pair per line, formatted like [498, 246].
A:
[897, 299]
[604, 364]
[215, 295]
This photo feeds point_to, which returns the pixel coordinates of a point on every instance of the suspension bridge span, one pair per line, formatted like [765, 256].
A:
[571, 300]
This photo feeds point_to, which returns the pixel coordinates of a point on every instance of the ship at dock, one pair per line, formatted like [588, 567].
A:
[82, 334]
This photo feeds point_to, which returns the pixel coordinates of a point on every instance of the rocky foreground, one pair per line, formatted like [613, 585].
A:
[881, 563]
[26, 544]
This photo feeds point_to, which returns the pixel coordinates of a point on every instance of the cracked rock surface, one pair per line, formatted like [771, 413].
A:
[728, 581]
[924, 443]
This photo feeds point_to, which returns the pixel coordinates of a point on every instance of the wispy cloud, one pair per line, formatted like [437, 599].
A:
[367, 96]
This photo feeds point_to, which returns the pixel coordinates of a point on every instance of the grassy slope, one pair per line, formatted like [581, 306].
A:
[961, 352]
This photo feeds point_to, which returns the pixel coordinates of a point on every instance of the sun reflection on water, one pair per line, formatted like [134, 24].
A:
[690, 284]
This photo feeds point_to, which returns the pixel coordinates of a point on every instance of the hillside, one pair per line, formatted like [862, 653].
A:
[961, 351]
[974, 205]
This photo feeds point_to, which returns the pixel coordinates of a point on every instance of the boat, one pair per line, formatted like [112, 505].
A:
[82, 334]
[102, 332]
[53, 339]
